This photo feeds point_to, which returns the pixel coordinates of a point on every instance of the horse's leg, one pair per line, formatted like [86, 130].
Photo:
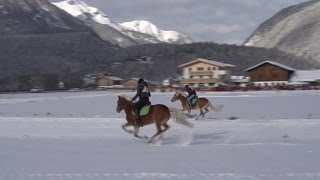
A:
[136, 131]
[206, 111]
[189, 111]
[156, 134]
[125, 129]
[166, 127]
[201, 114]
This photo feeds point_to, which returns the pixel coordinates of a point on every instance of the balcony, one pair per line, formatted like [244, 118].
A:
[201, 73]
[188, 81]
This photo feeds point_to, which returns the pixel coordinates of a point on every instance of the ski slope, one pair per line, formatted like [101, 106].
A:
[77, 135]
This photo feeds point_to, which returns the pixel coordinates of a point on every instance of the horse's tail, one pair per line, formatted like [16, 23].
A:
[180, 117]
[215, 108]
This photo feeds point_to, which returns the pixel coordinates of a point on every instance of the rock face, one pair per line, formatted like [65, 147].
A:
[125, 34]
[294, 30]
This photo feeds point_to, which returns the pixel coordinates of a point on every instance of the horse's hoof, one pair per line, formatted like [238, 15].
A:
[146, 137]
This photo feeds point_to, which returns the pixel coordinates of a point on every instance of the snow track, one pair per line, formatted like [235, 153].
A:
[58, 147]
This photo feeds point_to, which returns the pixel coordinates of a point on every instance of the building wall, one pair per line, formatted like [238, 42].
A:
[105, 82]
[130, 83]
[269, 72]
[203, 74]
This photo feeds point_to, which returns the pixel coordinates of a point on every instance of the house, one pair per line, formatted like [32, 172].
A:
[130, 83]
[171, 82]
[270, 73]
[205, 73]
[241, 81]
[90, 81]
[104, 81]
[310, 77]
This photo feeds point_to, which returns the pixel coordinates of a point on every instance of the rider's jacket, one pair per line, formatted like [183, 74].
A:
[142, 91]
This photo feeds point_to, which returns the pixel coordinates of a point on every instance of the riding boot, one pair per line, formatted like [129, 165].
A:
[138, 120]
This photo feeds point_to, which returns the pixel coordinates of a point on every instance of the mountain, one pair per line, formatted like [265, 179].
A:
[126, 34]
[19, 17]
[293, 30]
[37, 39]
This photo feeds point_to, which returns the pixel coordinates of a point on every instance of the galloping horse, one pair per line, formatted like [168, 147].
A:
[158, 114]
[203, 104]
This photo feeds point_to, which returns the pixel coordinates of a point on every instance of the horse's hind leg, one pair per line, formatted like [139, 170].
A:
[201, 114]
[136, 131]
[156, 134]
[166, 127]
[206, 111]
[125, 129]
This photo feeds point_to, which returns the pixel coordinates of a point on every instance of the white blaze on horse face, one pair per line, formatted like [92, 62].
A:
[174, 98]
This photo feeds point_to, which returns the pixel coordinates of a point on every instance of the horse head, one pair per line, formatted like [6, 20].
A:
[122, 103]
[177, 96]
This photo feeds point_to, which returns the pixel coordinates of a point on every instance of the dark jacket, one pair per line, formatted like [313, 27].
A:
[191, 91]
[142, 91]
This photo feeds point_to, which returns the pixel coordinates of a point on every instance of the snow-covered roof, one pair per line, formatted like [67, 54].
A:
[305, 76]
[114, 78]
[216, 63]
[273, 63]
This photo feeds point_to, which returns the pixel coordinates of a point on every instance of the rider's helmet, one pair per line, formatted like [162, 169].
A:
[186, 86]
[141, 80]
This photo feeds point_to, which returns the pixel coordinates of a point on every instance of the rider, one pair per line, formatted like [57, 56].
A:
[191, 94]
[143, 93]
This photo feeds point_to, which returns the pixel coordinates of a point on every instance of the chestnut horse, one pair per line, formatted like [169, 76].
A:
[158, 114]
[202, 104]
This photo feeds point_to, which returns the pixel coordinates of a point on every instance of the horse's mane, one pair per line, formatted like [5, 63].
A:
[125, 97]
[182, 93]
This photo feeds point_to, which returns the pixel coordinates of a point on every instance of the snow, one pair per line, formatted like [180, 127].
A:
[79, 8]
[77, 135]
[151, 29]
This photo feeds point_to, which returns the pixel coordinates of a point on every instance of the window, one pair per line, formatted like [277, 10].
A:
[200, 68]
[190, 69]
[209, 68]
[214, 68]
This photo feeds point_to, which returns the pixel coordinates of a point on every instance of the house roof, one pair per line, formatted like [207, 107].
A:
[114, 78]
[305, 76]
[212, 62]
[135, 79]
[273, 63]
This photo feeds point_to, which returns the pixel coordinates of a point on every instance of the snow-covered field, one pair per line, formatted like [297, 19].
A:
[77, 135]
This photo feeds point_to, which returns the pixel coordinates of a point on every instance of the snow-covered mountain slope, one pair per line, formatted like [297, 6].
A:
[294, 30]
[20, 17]
[126, 34]
[151, 29]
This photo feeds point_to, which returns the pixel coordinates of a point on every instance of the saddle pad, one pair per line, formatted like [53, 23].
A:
[194, 101]
[144, 111]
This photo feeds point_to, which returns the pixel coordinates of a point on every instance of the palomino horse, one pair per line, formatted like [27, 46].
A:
[202, 104]
[158, 114]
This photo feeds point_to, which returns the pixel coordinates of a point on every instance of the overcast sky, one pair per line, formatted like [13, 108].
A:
[222, 21]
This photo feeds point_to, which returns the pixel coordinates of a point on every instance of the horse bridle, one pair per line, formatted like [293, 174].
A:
[125, 105]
